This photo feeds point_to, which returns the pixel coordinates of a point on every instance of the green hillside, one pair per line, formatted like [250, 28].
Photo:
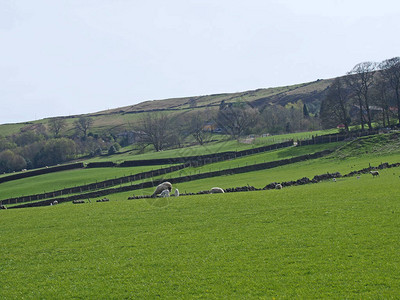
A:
[121, 118]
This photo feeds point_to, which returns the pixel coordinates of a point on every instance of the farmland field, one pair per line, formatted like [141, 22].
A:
[328, 240]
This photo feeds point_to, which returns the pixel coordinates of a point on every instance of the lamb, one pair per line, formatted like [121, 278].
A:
[164, 193]
[278, 186]
[216, 190]
[161, 187]
[176, 193]
[374, 173]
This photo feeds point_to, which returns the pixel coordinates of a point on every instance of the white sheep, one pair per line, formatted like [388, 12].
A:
[55, 202]
[334, 179]
[278, 186]
[161, 187]
[176, 193]
[164, 193]
[374, 173]
[216, 190]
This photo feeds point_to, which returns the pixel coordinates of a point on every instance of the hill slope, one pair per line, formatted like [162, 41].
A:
[310, 93]
[123, 118]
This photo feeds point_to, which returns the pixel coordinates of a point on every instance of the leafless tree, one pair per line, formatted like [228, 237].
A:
[200, 125]
[56, 125]
[155, 130]
[335, 107]
[390, 70]
[360, 80]
[381, 95]
[237, 118]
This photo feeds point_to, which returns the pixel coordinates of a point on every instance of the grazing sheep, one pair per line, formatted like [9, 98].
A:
[55, 202]
[374, 173]
[176, 193]
[164, 193]
[278, 186]
[162, 186]
[216, 190]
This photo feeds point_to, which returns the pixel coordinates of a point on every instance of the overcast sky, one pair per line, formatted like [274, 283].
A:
[63, 57]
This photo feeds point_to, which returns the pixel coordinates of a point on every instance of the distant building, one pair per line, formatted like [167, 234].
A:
[210, 127]
[130, 137]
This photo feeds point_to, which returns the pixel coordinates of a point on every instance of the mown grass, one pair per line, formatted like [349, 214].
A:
[329, 240]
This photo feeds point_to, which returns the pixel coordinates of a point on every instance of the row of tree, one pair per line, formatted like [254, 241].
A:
[236, 120]
[365, 90]
[38, 145]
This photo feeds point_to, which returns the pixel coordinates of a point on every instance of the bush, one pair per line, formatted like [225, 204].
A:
[112, 150]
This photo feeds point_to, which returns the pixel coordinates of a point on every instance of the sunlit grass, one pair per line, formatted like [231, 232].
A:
[329, 240]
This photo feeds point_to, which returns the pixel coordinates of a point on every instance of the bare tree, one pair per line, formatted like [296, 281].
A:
[390, 70]
[335, 107]
[83, 124]
[56, 125]
[237, 118]
[154, 128]
[360, 80]
[381, 97]
[200, 125]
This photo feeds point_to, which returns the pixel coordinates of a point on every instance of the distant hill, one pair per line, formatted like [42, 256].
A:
[310, 93]
[123, 118]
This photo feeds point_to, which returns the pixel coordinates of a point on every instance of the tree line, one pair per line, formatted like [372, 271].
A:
[38, 145]
[369, 93]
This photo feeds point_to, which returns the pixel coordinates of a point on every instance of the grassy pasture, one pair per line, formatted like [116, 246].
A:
[328, 240]
[261, 178]
[222, 144]
[56, 181]
[60, 180]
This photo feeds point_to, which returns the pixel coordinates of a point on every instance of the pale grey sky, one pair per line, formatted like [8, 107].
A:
[63, 57]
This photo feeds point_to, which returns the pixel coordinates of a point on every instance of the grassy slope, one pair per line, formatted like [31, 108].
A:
[122, 118]
[330, 240]
[221, 145]
[61, 180]
[351, 157]
[55, 181]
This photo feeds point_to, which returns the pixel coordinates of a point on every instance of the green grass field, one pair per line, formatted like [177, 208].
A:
[328, 240]
[60, 180]
[331, 240]
[220, 143]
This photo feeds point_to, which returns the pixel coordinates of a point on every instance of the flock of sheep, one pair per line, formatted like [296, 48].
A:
[164, 190]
